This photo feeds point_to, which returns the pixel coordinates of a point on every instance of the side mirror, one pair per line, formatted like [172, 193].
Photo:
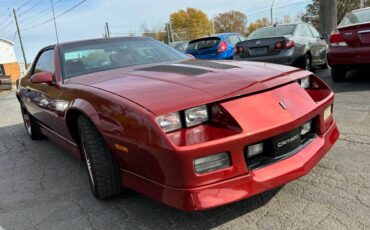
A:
[324, 37]
[190, 56]
[42, 77]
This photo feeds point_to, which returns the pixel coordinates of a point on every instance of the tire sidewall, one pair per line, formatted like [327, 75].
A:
[87, 159]
[307, 63]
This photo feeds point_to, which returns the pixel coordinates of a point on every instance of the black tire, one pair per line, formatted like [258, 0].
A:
[324, 66]
[32, 128]
[103, 170]
[304, 62]
[338, 74]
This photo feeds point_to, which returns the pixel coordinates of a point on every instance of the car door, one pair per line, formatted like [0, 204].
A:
[322, 45]
[41, 97]
[312, 43]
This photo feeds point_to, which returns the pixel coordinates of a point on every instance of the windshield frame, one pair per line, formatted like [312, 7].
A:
[64, 48]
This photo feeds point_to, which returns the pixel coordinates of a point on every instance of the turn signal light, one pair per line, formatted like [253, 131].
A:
[327, 113]
[212, 163]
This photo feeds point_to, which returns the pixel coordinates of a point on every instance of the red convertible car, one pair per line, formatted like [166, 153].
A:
[191, 134]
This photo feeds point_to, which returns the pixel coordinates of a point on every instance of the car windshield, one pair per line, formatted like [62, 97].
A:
[105, 54]
[272, 32]
[203, 43]
[362, 16]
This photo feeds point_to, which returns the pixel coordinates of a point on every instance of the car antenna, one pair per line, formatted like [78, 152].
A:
[55, 23]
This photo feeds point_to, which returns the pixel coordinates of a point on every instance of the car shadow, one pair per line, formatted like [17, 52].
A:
[43, 176]
[356, 80]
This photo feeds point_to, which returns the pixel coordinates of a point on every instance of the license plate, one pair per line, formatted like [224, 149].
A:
[258, 51]
[286, 142]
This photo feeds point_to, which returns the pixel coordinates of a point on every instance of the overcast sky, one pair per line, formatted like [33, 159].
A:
[88, 19]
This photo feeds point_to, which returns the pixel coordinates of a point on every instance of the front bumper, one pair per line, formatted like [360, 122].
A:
[241, 187]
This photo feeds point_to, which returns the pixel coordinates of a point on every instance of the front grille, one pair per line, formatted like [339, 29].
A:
[281, 147]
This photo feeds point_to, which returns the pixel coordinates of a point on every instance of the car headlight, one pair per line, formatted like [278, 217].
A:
[196, 116]
[169, 122]
[305, 82]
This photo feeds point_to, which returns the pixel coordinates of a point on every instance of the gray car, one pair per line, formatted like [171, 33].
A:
[297, 44]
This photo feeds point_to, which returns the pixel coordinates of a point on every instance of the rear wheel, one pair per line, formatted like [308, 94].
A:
[338, 74]
[307, 64]
[32, 128]
[304, 62]
[103, 169]
[324, 66]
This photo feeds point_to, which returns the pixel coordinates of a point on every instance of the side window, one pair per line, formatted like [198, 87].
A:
[242, 38]
[298, 30]
[233, 39]
[315, 32]
[306, 31]
[45, 63]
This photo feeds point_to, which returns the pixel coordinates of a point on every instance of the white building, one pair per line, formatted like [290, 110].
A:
[8, 60]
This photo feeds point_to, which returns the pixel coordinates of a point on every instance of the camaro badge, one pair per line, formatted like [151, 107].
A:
[282, 104]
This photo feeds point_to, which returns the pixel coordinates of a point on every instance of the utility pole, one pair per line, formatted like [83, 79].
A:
[328, 16]
[272, 12]
[172, 39]
[362, 3]
[168, 33]
[20, 39]
[107, 27]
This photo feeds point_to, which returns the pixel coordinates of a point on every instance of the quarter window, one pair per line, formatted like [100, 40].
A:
[314, 32]
[45, 63]
[233, 39]
[306, 32]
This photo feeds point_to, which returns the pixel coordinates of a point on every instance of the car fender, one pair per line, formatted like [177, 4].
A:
[85, 108]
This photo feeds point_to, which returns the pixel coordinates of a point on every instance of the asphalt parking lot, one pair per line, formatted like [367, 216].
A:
[44, 187]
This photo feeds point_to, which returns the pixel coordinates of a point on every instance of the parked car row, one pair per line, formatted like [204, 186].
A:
[296, 44]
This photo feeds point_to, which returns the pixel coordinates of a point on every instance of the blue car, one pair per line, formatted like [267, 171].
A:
[215, 47]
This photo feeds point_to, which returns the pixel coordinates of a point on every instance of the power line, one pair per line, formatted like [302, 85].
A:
[24, 4]
[31, 8]
[49, 20]
[42, 13]
[6, 26]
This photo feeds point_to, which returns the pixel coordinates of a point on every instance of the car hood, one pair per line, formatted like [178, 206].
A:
[170, 87]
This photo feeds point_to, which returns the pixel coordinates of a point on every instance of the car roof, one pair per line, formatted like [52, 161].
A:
[89, 41]
[220, 35]
[361, 9]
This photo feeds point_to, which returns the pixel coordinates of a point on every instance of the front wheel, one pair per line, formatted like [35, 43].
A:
[103, 170]
[338, 74]
[32, 128]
